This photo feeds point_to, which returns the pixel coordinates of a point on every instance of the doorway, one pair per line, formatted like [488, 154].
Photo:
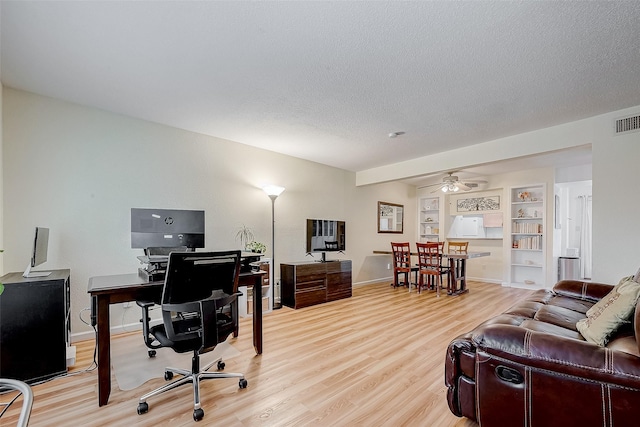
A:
[573, 224]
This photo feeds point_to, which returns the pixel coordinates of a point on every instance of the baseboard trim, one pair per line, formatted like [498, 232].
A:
[368, 282]
[482, 279]
[89, 335]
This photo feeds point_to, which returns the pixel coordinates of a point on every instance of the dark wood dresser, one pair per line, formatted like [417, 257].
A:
[310, 283]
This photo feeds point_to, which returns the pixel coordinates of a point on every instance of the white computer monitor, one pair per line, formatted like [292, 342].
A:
[39, 253]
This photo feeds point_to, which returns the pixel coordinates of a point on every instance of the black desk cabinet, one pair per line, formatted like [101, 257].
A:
[34, 326]
[305, 284]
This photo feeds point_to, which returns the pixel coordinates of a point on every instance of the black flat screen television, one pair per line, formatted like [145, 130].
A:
[325, 235]
[166, 228]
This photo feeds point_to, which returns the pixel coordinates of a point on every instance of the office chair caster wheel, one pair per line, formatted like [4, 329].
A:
[221, 365]
[198, 414]
[152, 353]
[143, 408]
[243, 383]
[168, 375]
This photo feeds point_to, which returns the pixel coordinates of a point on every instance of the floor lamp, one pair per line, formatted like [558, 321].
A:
[273, 191]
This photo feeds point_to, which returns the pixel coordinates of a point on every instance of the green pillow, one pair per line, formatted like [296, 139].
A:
[611, 312]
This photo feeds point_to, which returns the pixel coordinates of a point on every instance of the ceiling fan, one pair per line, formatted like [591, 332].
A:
[451, 183]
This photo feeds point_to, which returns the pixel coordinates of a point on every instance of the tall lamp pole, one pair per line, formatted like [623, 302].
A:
[273, 191]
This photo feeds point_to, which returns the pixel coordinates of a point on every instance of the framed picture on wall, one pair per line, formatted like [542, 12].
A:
[390, 217]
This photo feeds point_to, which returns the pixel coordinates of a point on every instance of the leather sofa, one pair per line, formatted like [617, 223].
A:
[529, 366]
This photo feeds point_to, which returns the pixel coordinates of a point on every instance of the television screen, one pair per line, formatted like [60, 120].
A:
[166, 228]
[325, 235]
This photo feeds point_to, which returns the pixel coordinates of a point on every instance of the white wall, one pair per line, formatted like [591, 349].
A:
[616, 228]
[79, 171]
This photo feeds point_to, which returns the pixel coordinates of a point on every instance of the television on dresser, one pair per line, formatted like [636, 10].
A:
[325, 235]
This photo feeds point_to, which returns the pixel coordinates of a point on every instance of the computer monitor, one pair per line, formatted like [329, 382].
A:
[166, 228]
[39, 253]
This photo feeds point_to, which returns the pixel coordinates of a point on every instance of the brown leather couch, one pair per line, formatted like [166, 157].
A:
[531, 367]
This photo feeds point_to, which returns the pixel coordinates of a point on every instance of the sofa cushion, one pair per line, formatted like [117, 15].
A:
[548, 328]
[610, 313]
[625, 343]
[573, 304]
[559, 316]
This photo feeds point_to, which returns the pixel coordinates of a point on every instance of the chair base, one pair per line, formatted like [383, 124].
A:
[195, 376]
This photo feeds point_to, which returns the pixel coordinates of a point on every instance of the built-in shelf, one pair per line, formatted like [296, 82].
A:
[528, 236]
[429, 219]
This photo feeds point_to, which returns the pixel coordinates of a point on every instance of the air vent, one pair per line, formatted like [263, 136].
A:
[628, 124]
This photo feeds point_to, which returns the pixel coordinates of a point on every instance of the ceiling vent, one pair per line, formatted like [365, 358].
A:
[628, 124]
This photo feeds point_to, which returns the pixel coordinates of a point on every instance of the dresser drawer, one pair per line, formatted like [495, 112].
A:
[310, 293]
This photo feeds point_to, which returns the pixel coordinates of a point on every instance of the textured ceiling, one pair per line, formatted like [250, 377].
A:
[328, 81]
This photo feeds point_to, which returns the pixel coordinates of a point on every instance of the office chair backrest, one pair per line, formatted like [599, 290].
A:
[193, 276]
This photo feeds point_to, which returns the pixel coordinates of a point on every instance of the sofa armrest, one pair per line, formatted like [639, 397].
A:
[582, 290]
[459, 369]
[558, 354]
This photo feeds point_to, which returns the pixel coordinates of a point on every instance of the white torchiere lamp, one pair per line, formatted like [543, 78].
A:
[273, 191]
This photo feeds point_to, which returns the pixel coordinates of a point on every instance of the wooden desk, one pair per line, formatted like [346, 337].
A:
[457, 280]
[119, 288]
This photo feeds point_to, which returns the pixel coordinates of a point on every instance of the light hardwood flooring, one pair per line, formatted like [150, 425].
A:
[376, 359]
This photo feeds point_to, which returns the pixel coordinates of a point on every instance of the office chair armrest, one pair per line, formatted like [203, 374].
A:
[145, 304]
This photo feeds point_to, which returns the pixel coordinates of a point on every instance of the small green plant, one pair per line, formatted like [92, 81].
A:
[256, 247]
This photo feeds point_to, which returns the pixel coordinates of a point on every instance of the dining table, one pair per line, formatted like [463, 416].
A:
[457, 277]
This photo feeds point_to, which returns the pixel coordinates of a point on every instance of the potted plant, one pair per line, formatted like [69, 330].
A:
[245, 235]
[256, 247]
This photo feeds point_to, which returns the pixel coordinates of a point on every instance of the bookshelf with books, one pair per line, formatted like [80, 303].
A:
[527, 253]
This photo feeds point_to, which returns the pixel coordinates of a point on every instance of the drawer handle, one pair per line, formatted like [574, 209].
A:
[313, 289]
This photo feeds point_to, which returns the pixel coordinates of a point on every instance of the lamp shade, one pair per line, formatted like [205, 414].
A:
[273, 190]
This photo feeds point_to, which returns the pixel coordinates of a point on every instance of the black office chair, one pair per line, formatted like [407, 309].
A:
[23, 389]
[199, 311]
[156, 260]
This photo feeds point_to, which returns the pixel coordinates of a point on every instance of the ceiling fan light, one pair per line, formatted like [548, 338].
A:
[445, 189]
[455, 188]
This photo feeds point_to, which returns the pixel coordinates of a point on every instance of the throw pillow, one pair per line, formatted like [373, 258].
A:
[636, 278]
[611, 312]
[600, 304]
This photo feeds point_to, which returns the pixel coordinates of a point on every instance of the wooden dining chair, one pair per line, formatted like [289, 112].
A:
[430, 266]
[458, 247]
[455, 266]
[402, 263]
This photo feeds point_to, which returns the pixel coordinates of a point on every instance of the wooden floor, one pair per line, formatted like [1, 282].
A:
[376, 359]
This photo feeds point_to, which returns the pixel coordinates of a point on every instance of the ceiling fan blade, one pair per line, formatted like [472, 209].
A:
[429, 185]
[440, 186]
[462, 186]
